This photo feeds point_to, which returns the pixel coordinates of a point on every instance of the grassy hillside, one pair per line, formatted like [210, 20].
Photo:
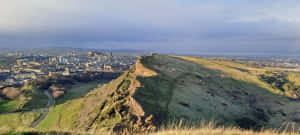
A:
[196, 89]
[161, 89]
[58, 114]
[203, 129]
[28, 98]
[17, 121]
[78, 90]
[164, 88]
[64, 113]
[8, 106]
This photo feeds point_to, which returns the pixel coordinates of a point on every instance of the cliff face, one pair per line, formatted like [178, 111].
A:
[161, 88]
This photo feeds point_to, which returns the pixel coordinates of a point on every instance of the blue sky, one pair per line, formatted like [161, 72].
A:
[188, 26]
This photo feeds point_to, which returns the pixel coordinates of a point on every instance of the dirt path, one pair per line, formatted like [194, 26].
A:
[45, 110]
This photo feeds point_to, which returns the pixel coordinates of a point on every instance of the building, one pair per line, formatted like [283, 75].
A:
[95, 54]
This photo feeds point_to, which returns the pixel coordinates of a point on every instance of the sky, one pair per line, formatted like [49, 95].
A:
[169, 26]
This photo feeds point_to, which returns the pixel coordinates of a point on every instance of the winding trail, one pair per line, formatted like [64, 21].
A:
[45, 110]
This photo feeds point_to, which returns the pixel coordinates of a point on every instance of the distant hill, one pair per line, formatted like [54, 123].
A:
[162, 88]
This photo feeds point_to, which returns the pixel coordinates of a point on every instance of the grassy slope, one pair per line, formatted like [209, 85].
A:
[13, 105]
[64, 113]
[78, 90]
[184, 88]
[205, 129]
[28, 100]
[225, 94]
[35, 99]
[17, 121]
[8, 106]
[91, 111]
[230, 93]
[32, 98]
[279, 109]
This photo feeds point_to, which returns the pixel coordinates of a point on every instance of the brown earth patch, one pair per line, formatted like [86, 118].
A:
[11, 92]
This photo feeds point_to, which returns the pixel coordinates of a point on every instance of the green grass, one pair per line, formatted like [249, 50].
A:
[176, 88]
[35, 99]
[78, 90]
[28, 100]
[176, 128]
[62, 116]
[294, 77]
[9, 105]
[65, 113]
[17, 120]
[229, 93]
[224, 93]
[99, 105]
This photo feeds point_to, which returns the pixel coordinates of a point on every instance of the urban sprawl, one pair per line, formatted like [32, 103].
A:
[28, 68]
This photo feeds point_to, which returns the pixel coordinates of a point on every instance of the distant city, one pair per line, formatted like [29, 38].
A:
[27, 66]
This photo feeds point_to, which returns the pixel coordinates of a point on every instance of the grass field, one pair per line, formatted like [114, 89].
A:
[185, 88]
[162, 88]
[78, 90]
[29, 99]
[35, 100]
[8, 106]
[17, 121]
[64, 113]
[62, 116]
[200, 89]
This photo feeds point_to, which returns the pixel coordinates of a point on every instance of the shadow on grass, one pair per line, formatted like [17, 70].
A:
[157, 91]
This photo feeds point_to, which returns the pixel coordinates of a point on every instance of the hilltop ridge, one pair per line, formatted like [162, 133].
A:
[163, 88]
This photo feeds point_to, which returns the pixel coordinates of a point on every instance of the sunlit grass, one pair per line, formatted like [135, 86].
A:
[17, 120]
[172, 129]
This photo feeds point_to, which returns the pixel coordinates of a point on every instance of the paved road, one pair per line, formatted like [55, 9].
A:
[46, 110]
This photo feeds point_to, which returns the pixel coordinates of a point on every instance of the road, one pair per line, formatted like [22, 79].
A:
[46, 110]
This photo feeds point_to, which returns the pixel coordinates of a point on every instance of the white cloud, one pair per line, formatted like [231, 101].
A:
[30, 14]
[115, 21]
[281, 11]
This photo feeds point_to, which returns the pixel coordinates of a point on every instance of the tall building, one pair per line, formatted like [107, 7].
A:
[62, 59]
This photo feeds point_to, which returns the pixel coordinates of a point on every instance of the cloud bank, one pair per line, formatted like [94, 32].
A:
[186, 26]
